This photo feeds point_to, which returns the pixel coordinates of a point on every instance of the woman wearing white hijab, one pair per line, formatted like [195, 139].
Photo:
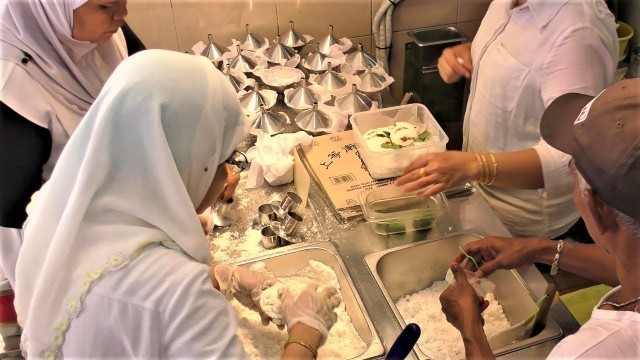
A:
[121, 207]
[55, 56]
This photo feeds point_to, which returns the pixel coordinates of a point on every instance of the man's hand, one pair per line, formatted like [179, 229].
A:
[495, 253]
[460, 304]
[455, 62]
[463, 309]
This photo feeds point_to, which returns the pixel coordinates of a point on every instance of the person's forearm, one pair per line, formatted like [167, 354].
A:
[304, 333]
[518, 169]
[587, 260]
[476, 345]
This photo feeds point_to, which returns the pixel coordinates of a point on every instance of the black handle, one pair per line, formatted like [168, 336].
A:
[404, 343]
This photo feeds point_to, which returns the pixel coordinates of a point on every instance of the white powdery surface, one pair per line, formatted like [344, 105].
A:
[439, 338]
[267, 342]
[240, 240]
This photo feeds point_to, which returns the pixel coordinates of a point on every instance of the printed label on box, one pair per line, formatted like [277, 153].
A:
[336, 163]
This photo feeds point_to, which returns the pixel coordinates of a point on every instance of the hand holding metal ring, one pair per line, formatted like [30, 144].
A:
[422, 172]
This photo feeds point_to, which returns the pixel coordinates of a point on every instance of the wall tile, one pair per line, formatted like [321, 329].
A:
[415, 14]
[469, 28]
[152, 21]
[225, 19]
[350, 18]
[469, 10]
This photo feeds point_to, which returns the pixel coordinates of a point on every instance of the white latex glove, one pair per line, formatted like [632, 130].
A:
[311, 308]
[244, 285]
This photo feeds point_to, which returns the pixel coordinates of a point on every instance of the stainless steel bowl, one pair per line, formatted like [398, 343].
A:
[428, 261]
[290, 260]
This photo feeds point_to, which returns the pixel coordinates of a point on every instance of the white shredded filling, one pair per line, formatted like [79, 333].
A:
[438, 338]
[267, 342]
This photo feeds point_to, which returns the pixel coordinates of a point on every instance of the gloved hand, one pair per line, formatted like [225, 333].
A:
[244, 285]
[312, 308]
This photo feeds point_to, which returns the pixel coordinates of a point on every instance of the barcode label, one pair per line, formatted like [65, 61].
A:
[337, 180]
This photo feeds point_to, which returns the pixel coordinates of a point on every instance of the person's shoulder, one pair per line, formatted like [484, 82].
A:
[154, 278]
[598, 339]
[580, 13]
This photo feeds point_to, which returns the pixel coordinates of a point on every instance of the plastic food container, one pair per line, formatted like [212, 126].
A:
[390, 211]
[386, 164]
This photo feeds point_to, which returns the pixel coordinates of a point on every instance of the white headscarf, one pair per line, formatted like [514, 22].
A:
[58, 85]
[131, 176]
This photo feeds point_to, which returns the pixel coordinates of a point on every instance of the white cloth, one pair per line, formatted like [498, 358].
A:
[64, 75]
[162, 306]
[524, 58]
[132, 175]
[608, 334]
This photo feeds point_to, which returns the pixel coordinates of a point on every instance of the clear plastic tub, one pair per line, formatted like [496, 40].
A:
[390, 211]
[390, 163]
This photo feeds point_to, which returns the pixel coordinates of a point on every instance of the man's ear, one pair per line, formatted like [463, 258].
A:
[603, 216]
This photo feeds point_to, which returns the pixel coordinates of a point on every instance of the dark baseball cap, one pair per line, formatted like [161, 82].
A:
[602, 134]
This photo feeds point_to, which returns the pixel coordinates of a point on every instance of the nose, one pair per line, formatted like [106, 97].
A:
[121, 11]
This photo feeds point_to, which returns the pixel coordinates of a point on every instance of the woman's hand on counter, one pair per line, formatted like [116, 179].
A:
[438, 172]
[455, 62]
[495, 253]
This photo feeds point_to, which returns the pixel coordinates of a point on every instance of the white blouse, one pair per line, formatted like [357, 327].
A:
[523, 59]
[162, 305]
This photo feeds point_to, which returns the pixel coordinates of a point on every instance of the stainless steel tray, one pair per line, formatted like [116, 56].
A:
[288, 260]
[408, 269]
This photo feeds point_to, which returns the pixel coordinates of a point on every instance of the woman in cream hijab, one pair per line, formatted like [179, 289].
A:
[114, 261]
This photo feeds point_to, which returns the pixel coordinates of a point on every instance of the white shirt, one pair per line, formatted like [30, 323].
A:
[523, 59]
[161, 305]
[608, 334]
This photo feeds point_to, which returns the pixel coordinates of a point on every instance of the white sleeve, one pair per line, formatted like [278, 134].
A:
[555, 164]
[579, 62]
[200, 322]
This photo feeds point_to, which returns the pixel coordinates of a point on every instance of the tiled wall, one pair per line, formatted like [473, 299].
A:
[178, 24]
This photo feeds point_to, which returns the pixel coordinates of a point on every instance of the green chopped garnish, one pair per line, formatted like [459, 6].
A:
[423, 136]
[390, 145]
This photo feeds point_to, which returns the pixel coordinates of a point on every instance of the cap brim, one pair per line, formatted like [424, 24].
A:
[556, 126]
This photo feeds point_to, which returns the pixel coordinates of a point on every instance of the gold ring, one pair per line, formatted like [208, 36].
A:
[422, 172]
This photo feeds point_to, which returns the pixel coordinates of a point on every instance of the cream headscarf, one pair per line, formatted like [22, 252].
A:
[58, 85]
[131, 176]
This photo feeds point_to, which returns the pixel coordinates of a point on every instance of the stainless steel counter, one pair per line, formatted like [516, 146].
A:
[354, 240]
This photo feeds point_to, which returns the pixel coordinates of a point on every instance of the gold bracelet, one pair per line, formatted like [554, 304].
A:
[495, 168]
[485, 168]
[482, 174]
[301, 342]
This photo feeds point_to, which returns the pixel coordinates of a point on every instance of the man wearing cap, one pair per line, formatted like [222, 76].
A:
[602, 134]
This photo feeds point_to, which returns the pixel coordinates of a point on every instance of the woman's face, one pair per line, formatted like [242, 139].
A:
[216, 188]
[97, 20]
